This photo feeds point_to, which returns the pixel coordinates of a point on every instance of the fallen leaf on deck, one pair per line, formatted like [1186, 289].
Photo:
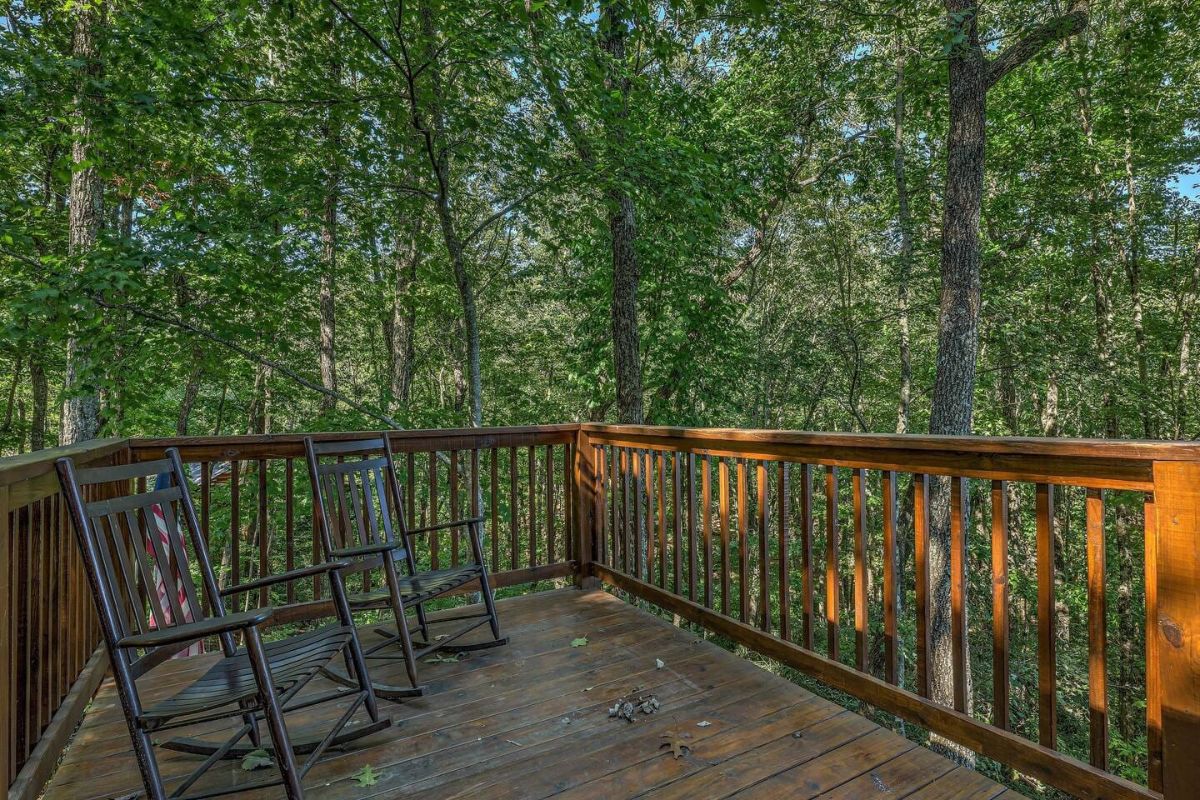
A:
[514, 744]
[675, 742]
[438, 658]
[580, 642]
[703, 723]
[366, 776]
[588, 688]
[257, 759]
[879, 784]
[659, 663]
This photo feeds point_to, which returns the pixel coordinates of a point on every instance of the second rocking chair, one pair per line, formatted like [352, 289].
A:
[360, 513]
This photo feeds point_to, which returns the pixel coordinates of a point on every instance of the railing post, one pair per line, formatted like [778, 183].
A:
[585, 509]
[7, 653]
[1175, 640]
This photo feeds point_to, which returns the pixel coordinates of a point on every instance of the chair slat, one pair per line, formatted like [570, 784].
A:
[120, 505]
[121, 472]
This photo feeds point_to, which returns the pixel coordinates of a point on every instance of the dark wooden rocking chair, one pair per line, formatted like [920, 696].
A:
[140, 598]
[360, 513]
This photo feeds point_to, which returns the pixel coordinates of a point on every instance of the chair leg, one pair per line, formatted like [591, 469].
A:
[144, 750]
[354, 657]
[489, 602]
[410, 660]
[285, 757]
[423, 620]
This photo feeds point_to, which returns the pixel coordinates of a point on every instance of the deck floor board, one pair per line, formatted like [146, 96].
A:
[530, 720]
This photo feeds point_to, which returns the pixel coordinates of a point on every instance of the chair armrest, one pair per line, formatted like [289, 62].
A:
[191, 631]
[286, 577]
[367, 550]
[458, 523]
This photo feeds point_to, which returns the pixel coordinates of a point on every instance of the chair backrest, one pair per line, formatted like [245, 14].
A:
[134, 554]
[357, 496]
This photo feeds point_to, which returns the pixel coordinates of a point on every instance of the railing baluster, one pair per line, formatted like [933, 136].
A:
[808, 621]
[434, 537]
[743, 544]
[764, 574]
[1154, 720]
[858, 485]
[264, 564]
[289, 529]
[921, 565]
[831, 562]
[453, 515]
[494, 510]
[1000, 627]
[549, 504]
[235, 525]
[958, 589]
[891, 639]
[1047, 638]
[706, 504]
[723, 489]
[662, 519]
[640, 483]
[514, 558]
[1097, 645]
[691, 511]
[676, 524]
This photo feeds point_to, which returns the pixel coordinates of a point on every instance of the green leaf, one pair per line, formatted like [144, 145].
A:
[257, 759]
[367, 776]
[580, 642]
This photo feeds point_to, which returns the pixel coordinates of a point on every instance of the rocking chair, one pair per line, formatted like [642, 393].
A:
[136, 564]
[360, 514]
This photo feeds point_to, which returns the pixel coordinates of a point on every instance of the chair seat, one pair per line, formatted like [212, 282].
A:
[292, 660]
[420, 587]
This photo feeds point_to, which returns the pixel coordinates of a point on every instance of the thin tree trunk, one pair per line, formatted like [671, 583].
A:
[10, 406]
[329, 225]
[81, 409]
[37, 422]
[904, 224]
[404, 316]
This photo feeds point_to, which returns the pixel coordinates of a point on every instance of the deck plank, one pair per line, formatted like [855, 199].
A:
[530, 720]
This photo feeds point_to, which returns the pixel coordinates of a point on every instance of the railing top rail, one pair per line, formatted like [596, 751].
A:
[1125, 449]
[15, 469]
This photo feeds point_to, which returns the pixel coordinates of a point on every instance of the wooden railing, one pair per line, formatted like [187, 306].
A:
[814, 550]
[795, 545]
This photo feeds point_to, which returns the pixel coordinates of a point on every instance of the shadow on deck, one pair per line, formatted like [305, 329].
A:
[531, 720]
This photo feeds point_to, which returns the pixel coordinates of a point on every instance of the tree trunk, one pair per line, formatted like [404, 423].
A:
[329, 223]
[904, 260]
[404, 316]
[37, 422]
[81, 409]
[11, 404]
[622, 228]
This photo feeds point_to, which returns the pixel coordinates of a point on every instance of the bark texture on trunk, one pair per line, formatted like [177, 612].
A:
[403, 323]
[37, 421]
[622, 228]
[81, 409]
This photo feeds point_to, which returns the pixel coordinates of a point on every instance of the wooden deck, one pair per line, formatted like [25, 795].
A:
[531, 720]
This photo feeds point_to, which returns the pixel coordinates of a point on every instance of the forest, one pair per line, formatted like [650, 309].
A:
[888, 216]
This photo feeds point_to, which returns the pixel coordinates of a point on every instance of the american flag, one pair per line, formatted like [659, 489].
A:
[163, 481]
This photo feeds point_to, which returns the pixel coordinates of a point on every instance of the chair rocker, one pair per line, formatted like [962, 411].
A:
[136, 565]
[360, 513]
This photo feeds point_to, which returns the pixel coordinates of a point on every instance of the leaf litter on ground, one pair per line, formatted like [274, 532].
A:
[367, 776]
[257, 759]
[579, 642]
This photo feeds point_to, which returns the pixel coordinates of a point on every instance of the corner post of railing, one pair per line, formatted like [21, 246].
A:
[7, 701]
[1173, 609]
[585, 508]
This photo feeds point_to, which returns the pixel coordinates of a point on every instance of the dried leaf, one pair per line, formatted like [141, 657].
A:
[257, 759]
[659, 663]
[675, 741]
[703, 723]
[367, 776]
[438, 658]
[580, 642]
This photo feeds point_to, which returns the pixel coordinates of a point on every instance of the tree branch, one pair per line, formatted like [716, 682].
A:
[1033, 42]
[250, 355]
